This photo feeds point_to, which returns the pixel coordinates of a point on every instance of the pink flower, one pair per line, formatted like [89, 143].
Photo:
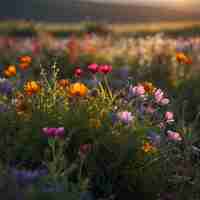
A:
[125, 117]
[159, 95]
[164, 101]
[105, 69]
[93, 68]
[161, 125]
[174, 136]
[137, 90]
[169, 117]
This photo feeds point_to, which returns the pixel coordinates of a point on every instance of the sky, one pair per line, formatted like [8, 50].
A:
[181, 3]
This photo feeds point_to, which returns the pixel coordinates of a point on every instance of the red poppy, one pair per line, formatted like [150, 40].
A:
[78, 72]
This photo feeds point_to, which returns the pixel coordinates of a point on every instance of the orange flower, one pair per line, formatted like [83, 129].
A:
[24, 66]
[25, 62]
[147, 147]
[78, 89]
[25, 59]
[183, 59]
[148, 87]
[10, 71]
[63, 83]
[31, 87]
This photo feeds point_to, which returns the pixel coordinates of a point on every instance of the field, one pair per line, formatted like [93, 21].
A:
[96, 111]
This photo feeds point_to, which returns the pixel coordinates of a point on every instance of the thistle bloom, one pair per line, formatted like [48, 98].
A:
[93, 68]
[54, 132]
[10, 71]
[31, 87]
[175, 136]
[78, 89]
[125, 117]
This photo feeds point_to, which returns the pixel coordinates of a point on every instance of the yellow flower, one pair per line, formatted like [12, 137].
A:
[31, 87]
[10, 71]
[78, 89]
[147, 147]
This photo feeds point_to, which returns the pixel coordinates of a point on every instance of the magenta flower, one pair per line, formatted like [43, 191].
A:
[137, 90]
[105, 69]
[60, 132]
[54, 132]
[169, 117]
[93, 68]
[175, 136]
[125, 117]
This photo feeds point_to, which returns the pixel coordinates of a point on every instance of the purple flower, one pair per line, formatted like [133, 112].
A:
[54, 132]
[125, 117]
[154, 138]
[26, 177]
[5, 87]
[60, 132]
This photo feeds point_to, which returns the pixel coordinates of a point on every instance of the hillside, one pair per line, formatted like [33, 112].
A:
[75, 11]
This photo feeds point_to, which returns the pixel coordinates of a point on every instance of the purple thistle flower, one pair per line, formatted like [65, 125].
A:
[54, 132]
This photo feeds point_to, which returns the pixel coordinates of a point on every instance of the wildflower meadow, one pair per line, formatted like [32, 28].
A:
[91, 116]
